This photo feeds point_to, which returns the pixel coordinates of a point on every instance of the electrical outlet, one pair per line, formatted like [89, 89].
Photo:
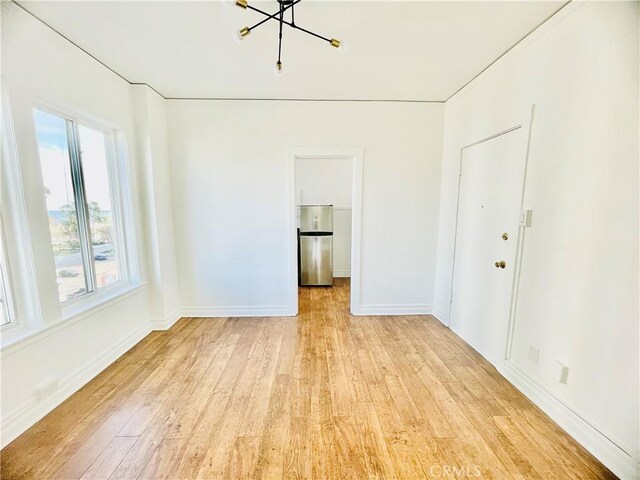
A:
[45, 389]
[534, 354]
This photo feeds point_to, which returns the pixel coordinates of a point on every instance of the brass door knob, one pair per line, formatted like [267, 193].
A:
[501, 264]
[505, 236]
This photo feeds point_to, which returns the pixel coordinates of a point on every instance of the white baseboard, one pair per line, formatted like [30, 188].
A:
[341, 273]
[167, 322]
[624, 465]
[389, 309]
[441, 315]
[237, 311]
[19, 421]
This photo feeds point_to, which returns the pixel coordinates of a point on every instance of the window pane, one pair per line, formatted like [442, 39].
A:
[93, 146]
[4, 307]
[53, 147]
[4, 318]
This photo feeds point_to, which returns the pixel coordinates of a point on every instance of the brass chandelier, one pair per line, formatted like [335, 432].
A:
[278, 16]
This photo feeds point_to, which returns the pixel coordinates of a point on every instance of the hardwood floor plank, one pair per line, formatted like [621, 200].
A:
[276, 429]
[203, 436]
[109, 459]
[379, 462]
[255, 414]
[163, 459]
[517, 464]
[218, 457]
[541, 423]
[297, 454]
[341, 394]
[244, 458]
[89, 451]
[429, 413]
[196, 403]
[350, 450]
[545, 466]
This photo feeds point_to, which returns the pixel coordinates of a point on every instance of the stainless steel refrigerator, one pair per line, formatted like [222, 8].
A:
[316, 245]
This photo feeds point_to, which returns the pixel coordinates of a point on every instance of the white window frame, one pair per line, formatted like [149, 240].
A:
[20, 273]
[5, 283]
[124, 226]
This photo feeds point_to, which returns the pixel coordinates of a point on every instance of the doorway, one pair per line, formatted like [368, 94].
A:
[329, 176]
[487, 232]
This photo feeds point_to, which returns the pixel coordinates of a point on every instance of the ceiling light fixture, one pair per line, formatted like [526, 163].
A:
[278, 16]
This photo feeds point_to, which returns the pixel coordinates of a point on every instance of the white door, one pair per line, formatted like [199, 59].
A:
[491, 186]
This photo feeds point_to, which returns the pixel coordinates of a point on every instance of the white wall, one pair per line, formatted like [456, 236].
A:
[578, 297]
[40, 67]
[155, 181]
[328, 181]
[230, 188]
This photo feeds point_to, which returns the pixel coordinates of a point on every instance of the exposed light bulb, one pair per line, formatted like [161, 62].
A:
[229, 3]
[278, 69]
[338, 44]
[237, 38]
[344, 47]
[239, 35]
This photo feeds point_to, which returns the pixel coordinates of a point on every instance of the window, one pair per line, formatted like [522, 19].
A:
[77, 170]
[6, 308]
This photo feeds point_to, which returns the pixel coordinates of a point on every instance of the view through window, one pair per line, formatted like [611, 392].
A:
[75, 171]
[93, 149]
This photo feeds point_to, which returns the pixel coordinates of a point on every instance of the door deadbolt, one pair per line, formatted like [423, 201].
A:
[505, 236]
[501, 264]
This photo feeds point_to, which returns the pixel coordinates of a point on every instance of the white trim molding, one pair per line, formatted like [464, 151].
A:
[356, 155]
[239, 311]
[623, 464]
[167, 322]
[341, 273]
[26, 416]
[391, 309]
[441, 315]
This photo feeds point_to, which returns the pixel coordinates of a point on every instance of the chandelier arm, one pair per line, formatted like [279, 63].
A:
[291, 24]
[293, 15]
[280, 34]
[269, 15]
[306, 31]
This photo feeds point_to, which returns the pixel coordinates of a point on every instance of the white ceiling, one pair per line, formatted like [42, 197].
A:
[396, 50]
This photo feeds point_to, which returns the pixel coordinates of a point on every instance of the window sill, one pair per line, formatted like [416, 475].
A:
[93, 302]
[17, 340]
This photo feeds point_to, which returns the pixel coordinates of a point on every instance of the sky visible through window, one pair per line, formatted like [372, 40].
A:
[55, 162]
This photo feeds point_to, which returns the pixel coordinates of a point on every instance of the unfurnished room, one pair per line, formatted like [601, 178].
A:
[320, 239]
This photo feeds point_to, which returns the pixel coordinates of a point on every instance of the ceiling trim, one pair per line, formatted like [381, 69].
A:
[16, 2]
[508, 50]
[249, 99]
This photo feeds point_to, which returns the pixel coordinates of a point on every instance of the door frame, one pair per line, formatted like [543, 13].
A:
[356, 156]
[526, 124]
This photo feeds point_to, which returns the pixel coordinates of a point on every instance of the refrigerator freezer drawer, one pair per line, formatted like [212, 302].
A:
[316, 218]
[316, 260]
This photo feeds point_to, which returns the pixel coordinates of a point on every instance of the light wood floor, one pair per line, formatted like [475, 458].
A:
[324, 395]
